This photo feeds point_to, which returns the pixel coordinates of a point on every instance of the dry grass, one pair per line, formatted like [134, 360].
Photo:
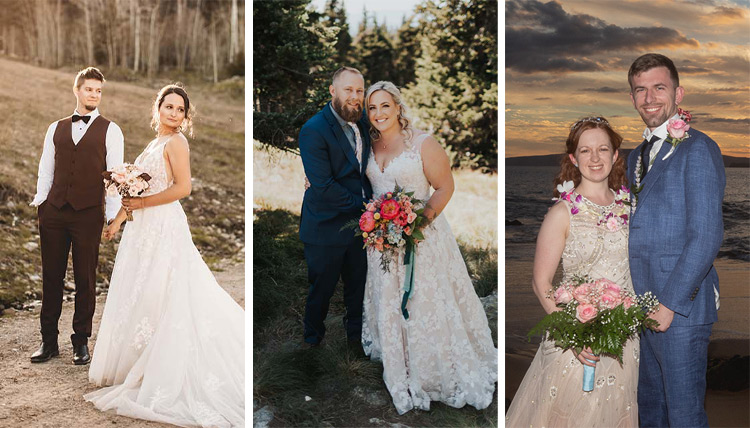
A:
[278, 182]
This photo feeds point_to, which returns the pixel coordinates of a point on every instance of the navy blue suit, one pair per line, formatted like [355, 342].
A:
[338, 191]
[675, 235]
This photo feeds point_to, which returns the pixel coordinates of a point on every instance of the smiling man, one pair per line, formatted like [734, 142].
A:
[334, 146]
[674, 239]
[71, 209]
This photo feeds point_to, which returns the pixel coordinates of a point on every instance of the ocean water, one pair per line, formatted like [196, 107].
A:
[528, 196]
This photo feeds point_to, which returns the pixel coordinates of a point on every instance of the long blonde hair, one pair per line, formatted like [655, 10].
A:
[403, 118]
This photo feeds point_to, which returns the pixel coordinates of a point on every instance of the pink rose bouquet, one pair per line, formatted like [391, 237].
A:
[596, 314]
[127, 181]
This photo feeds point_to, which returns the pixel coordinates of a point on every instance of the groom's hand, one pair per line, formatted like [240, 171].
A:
[663, 315]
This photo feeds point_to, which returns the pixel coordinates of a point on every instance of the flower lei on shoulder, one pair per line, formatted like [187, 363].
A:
[677, 130]
[613, 219]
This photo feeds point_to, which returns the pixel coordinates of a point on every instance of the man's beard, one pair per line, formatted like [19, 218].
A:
[89, 108]
[347, 112]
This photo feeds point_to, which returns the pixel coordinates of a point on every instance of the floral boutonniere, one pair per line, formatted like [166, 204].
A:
[677, 130]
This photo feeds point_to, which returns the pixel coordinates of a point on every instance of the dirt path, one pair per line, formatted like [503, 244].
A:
[50, 394]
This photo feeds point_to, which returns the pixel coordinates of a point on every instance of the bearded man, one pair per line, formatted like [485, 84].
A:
[334, 146]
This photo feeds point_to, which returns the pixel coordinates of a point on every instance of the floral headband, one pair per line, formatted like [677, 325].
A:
[592, 119]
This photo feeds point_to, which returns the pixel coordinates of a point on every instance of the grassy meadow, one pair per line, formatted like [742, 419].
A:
[343, 390]
[31, 98]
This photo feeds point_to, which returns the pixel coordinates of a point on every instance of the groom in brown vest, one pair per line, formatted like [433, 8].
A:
[71, 208]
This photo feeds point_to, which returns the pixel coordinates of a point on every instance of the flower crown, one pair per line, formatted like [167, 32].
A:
[592, 119]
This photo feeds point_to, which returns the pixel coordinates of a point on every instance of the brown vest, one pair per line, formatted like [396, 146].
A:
[78, 168]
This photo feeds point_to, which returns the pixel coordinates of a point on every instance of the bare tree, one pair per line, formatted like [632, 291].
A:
[87, 12]
[135, 11]
[234, 36]
[153, 42]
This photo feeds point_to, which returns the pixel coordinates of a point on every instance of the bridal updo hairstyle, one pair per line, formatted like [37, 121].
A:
[569, 172]
[403, 119]
[187, 124]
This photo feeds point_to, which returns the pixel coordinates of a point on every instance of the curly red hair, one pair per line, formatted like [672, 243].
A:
[569, 172]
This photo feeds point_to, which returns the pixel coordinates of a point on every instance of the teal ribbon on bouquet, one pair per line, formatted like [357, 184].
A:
[588, 376]
[409, 256]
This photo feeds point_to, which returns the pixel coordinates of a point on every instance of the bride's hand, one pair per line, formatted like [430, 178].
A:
[307, 183]
[132, 204]
[111, 230]
[587, 354]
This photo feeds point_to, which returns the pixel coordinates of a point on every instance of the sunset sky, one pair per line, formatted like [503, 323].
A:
[568, 59]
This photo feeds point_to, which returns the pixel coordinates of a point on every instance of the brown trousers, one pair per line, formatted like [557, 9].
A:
[59, 228]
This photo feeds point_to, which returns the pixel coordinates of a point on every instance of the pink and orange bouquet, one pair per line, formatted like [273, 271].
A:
[127, 181]
[389, 222]
[598, 314]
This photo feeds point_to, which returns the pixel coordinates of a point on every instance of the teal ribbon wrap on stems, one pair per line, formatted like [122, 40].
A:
[409, 256]
[588, 376]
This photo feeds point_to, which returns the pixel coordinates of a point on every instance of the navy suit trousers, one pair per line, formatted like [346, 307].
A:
[325, 265]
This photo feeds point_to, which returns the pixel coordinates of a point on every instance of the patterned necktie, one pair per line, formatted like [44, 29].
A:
[646, 153]
[358, 138]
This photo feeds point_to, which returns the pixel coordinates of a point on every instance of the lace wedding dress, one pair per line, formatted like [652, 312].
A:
[171, 340]
[444, 351]
[551, 393]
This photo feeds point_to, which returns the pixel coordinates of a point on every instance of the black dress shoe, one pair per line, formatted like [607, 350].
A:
[81, 354]
[45, 352]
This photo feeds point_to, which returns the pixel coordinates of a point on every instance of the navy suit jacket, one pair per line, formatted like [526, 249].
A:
[677, 228]
[336, 179]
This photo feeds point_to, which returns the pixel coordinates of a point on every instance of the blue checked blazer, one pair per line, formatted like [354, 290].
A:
[677, 228]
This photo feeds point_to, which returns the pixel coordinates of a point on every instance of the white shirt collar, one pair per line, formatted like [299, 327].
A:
[661, 131]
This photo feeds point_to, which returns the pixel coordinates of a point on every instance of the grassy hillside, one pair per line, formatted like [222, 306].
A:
[31, 98]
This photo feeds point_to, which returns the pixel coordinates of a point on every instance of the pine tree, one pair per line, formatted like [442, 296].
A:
[455, 91]
[292, 53]
[336, 19]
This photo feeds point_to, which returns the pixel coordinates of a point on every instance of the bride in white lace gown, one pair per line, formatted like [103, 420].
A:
[444, 351]
[171, 340]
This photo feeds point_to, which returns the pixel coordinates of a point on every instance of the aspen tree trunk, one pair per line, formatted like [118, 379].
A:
[60, 48]
[125, 29]
[137, 32]
[193, 51]
[89, 38]
[234, 33]
[153, 43]
[214, 54]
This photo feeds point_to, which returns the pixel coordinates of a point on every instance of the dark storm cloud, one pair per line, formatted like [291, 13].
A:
[606, 90]
[723, 124]
[691, 69]
[543, 37]
[727, 12]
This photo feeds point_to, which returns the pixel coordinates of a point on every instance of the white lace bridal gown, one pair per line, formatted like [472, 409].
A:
[444, 352]
[171, 340]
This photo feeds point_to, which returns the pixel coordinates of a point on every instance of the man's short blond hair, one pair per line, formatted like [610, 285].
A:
[341, 71]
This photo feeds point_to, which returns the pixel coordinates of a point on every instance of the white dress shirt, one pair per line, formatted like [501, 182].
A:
[115, 143]
[660, 132]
